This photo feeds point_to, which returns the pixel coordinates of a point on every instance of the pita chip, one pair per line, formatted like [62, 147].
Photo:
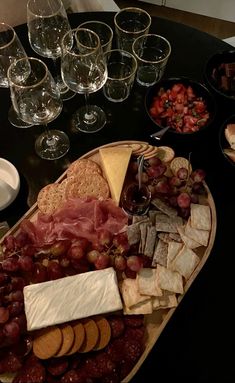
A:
[130, 292]
[140, 308]
[189, 242]
[150, 241]
[147, 282]
[173, 250]
[160, 254]
[200, 216]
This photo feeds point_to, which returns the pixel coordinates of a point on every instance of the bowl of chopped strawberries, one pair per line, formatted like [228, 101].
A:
[182, 104]
[220, 73]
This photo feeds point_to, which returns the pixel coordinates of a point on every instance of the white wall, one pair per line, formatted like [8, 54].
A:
[220, 9]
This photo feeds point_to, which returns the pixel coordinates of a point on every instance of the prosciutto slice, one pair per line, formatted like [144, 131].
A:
[77, 218]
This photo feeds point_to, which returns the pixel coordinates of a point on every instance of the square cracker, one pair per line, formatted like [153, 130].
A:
[173, 250]
[200, 216]
[130, 292]
[200, 236]
[147, 282]
[185, 262]
[189, 242]
[160, 254]
[169, 280]
[140, 308]
[150, 241]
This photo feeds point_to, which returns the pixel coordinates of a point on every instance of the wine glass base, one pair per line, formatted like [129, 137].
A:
[52, 145]
[14, 119]
[89, 119]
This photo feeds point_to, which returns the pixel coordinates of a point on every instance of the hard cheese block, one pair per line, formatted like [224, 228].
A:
[70, 298]
[115, 162]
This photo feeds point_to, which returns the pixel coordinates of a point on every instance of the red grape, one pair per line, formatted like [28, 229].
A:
[144, 177]
[16, 296]
[198, 175]
[156, 171]
[120, 263]
[194, 198]
[15, 308]
[18, 283]
[174, 181]
[4, 278]
[22, 239]
[39, 273]
[21, 321]
[173, 201]
[4, 315]
[198, 188]
[9, 242]
[64, 262]
[80, 265]
[75, 252]
[10, 264]
[105, 237]
[12, 330]
[25, 263]
[182, 174]
[28, 250]
[134, 263]
[54, 270]
[121, 242]
[154, 161]
[130, 273]
[59, 248]
[102, 261]
[162, 187]
[92, 256]
[184, 212]
[183, 200]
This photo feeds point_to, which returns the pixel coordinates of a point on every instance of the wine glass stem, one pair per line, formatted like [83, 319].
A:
[58, 79]
[50, 139]
[89, 117]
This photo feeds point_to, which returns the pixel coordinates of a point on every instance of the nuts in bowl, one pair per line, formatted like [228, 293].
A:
[186, 106]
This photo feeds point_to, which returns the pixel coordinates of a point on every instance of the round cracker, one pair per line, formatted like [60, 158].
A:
[90, 185]
[47, 342]
[79, 336]
[165, 153]
[83, 163]
[49, 198]
[141, 150]
[67, 341]
[178, 163]
[151, 154]
[104, 333]
[91, 335]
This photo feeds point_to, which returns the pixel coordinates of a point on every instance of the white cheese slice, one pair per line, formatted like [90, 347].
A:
[70, 298]
[115, 162]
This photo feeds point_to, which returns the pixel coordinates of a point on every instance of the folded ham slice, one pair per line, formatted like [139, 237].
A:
[77, 218]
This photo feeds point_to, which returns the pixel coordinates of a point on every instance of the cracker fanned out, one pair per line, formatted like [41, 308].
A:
[168, 224]
[130, 292]
[143, 235]
[185, 262]
[147, 282]
[200, 236]
[169, 280]
[133, 233]
[163, 207]
[167, 300]
[200, 216]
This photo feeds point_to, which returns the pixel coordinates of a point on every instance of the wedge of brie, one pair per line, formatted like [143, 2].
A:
[70, 298]
[115, 162]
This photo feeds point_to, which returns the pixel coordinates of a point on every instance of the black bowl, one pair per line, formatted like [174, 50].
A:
[223, 141]
[199, 90]
[216, 73]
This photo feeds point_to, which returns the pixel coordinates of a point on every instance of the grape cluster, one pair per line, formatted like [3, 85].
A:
[179, 190]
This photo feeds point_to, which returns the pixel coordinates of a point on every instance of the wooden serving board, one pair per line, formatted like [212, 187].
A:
[155, 322]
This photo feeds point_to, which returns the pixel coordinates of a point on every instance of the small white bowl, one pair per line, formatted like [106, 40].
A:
[9, 183]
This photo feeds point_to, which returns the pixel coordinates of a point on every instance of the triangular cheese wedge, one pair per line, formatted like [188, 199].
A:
[115, 162]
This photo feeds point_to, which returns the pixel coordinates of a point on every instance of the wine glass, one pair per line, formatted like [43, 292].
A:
[10, 49]
[103, 30]
[35, 97]
[47, 23]
[84, 71]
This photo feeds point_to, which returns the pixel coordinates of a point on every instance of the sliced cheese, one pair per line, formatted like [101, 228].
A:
[115, 162]
[66, 299]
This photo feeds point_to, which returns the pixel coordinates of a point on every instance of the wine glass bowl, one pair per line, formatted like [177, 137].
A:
[47, 23]
[10, 50]
[84, 71]
[36, 99]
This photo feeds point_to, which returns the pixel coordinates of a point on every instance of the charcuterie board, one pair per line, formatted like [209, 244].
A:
[155, 321]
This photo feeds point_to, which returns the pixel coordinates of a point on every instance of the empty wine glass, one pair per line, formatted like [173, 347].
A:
[103, 30]
[84, 71]
[35, 97]
[10, 50]
[47, 23]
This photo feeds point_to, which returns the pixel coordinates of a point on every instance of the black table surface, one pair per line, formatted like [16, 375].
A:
[197, 343]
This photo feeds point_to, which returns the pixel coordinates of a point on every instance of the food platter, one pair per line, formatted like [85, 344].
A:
[158, 319]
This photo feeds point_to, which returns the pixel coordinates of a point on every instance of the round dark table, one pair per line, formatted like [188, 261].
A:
[197, 344]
